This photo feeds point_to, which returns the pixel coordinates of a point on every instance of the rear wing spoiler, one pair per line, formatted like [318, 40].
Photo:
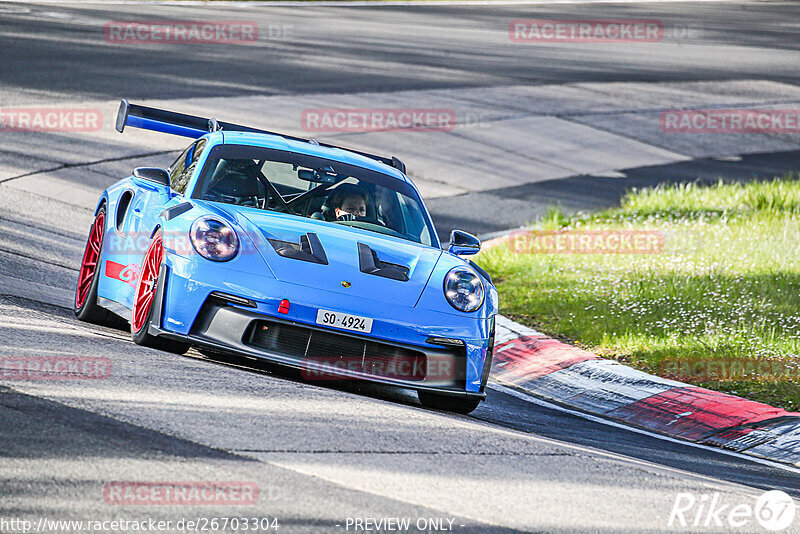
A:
[159, 120]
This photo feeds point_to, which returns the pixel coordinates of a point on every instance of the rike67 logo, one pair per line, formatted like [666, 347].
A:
[774, 511]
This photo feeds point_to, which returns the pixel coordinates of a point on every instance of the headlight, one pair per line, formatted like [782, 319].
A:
[463, 289]
[214, 239]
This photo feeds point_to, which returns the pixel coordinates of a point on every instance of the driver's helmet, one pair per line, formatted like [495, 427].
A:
[235, 180]
[338, 196]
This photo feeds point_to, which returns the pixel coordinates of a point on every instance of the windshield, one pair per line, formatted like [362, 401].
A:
[308, 186]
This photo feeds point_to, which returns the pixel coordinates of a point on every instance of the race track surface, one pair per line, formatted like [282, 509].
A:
[321, 454]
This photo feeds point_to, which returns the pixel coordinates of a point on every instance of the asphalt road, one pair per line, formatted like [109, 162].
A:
[321, 454]
[528, 114]
[60, 51]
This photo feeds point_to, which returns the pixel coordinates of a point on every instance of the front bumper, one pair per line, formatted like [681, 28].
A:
[329, 354]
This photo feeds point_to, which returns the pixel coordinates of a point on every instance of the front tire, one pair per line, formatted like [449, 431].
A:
[85, 305]
[448, 403]
[144, 298]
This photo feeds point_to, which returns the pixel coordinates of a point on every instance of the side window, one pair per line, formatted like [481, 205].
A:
[177, 168]
[415, 222]
[183, 168]
[284, 177]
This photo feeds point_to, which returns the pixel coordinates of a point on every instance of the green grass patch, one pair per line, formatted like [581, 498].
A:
[718, 306]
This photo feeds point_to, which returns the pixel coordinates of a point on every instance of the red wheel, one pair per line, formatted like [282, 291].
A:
[143, 301]
[85, 306]
[90, 259]
[148, 280]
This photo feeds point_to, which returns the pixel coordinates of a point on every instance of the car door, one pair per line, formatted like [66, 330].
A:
[154, 201]
[142, 208]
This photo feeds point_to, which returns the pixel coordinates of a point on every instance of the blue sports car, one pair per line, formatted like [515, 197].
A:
[297, 252]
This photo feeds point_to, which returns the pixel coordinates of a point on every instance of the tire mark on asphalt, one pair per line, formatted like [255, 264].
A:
[10, 298]
[27, 155]
[61, 315]
[524, 112]
[86, 164]
[120, 433]
[41, 260]
[74, 237]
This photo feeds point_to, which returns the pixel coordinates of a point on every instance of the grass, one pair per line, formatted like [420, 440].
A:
[718, 306]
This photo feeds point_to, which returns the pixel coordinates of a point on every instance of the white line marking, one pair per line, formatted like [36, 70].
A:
[345, 3]
[539, 402]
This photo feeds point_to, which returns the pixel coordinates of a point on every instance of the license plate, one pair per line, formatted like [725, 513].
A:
[344, 320]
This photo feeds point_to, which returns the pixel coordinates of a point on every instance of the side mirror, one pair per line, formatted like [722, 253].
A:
[463, 244]
[152, 174]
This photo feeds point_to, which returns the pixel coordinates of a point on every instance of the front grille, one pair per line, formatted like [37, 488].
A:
[338, 351]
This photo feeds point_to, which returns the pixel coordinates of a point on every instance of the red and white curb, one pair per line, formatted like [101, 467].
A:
[568, 376]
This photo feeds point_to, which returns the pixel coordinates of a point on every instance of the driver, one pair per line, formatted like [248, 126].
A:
[348, 202]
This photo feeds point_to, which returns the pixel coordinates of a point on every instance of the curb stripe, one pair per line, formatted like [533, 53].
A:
[694, 413]
[599, 386]
[515, 391]
[777, 439]
[527, 358]
[507, 330]
[553, 370]
[784, 445]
